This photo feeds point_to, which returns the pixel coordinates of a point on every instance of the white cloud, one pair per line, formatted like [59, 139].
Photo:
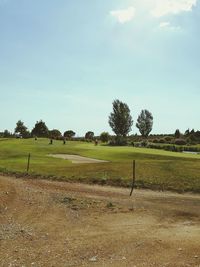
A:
[167, 7]
[166, 25]
[123, 15]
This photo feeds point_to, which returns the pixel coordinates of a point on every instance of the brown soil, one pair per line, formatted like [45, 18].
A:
[76, 158]
[44, 223]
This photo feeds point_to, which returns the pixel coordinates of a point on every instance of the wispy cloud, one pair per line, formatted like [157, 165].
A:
[167, 7]
[123, 15]
[166, 25]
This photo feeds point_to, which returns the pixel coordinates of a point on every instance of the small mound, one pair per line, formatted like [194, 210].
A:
[77, 159]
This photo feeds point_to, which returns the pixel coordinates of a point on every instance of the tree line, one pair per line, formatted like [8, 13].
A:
[121, 123]
[40, 129]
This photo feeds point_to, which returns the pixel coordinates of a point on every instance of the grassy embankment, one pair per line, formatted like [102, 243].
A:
[155, 169]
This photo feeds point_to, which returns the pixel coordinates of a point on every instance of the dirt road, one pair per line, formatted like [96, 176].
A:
[45, 223]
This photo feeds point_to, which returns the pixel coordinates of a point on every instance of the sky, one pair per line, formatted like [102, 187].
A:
[64, 62]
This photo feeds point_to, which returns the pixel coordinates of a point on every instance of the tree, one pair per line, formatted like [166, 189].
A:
[120, 119]
[21, 129]
[192, 131]
[56, 134]
[197, 135]
[6, 134]
[145, 122]
[177, 134]
[89, 135]
[40, 129]
[69, 134]
[104, 137]
[187, 132]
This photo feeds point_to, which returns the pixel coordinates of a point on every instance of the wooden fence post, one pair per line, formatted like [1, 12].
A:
[134, 174]
[28, 163]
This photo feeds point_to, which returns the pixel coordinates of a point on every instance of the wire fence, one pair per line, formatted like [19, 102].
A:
[178, 175]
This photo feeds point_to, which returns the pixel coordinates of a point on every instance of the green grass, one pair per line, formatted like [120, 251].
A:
[155, 169]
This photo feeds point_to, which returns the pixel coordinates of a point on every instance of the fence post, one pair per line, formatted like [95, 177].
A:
[28, 163]
[133, 181]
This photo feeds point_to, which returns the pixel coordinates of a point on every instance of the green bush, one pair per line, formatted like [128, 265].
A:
[162, 141]
[174, 148]
[168, 139]
[118, 141]
[104, 137]
[180, 142]
[155, 141]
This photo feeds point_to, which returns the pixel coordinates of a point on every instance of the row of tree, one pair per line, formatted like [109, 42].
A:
[189, 137]
[121, 122]
[41, 130]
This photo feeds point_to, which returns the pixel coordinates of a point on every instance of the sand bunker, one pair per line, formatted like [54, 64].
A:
[76, 158]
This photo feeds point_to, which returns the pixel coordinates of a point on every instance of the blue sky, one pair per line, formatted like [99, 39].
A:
[65, 62]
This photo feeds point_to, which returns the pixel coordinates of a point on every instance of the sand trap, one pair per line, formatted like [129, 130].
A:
[76, 158]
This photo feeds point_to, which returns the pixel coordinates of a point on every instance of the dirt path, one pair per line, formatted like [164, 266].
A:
[45, 223]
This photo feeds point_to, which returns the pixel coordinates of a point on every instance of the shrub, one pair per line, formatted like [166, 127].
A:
[192, 139]
[118, 141]
[168, 139]
[144, 143]
[104, 137]
[162, 141]
[155, 141]
[137, 144]
[180, 142]
[132, 144]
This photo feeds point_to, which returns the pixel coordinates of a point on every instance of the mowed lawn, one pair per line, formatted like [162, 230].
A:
[155, 169]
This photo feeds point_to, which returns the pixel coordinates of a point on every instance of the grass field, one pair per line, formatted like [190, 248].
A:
[155, 169]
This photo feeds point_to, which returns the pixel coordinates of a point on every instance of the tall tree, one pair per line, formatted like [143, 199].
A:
[120, 119]
[21, 128]
[69, 134]
[177, 134]
[40, 129]
[145, 122]
[187, 132]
